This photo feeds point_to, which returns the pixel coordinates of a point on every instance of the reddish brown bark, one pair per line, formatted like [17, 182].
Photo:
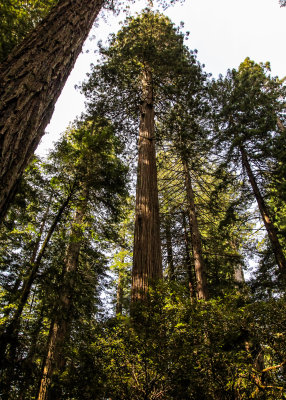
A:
[31, 80]
[200, 269]
[265, 215]
[147, 258]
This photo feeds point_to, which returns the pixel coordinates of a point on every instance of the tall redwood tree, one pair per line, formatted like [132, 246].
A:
[137, 80]
[147, 258]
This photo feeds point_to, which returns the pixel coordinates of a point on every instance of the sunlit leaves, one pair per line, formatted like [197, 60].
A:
[18, 17]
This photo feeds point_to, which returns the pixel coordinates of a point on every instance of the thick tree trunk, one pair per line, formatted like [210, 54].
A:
[10, 333]
[270, 228]
[200, 269]
[31, 80]
[147, 258]
[60, 326]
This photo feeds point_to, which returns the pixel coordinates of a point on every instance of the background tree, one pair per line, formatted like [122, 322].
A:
[248, 106]
[72, 161]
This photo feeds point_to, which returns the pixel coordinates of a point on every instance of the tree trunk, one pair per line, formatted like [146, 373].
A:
[280, 125]
[42, 227]
[119, 294]
[188, 261]
[170, 258]
[61, 324]
[14, 292]
[8, 336]
[48, 363]
[238, 275]
[200, 270]
[147, 258]
[270, 228]
[30, 362]
[31, 80]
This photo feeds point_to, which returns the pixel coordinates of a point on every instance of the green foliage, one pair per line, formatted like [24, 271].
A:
[149, 41]
[172, 349]
[84, 167]
[248, 103]
[18, 17]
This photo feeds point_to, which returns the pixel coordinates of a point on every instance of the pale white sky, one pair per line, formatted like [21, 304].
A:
[224, 32]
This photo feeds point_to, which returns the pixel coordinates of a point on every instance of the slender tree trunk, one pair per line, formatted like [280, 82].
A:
[14, 291]
[42, 227]
[30, 362]
[49, 362]
[170, 258]
[188, 260]
[200, 269]
[8, 336]
[270, 228]
[31, 80]
[147, 258]
[60, 326]
[238, 275]
[119, 294]
[280, 125]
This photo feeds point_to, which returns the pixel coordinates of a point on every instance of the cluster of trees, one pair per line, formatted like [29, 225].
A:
[108, 293]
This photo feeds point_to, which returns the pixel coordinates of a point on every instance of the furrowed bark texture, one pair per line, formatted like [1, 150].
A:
[147, 258]
[31, 80]
[60, 326]
[200, 269]
[265, 215]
